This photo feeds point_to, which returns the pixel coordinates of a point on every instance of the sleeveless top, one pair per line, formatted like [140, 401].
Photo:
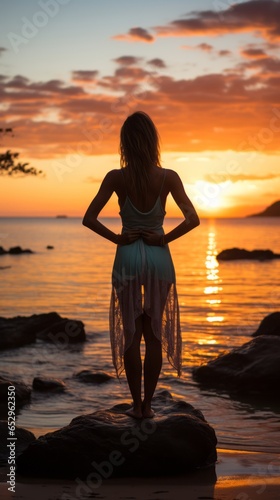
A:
[143, 279]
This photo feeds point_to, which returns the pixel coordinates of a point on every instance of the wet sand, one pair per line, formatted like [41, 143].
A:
[237, 476]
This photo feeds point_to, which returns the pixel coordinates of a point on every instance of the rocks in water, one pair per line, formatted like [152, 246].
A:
[14, 251]
[253, 367]
[44, 384]
[18, 250]
[51, 327]
[242, 254]
[23, 439]
[14, 332]
[109, 443]
[63, 331]
[22, 392]
[270, 325]
[93, 377]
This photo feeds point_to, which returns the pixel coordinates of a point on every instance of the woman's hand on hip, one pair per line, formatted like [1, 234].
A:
[128, 237]
[152, 238]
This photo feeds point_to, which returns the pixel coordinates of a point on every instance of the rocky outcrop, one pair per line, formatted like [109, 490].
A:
[51, 327]
[253, 367]
[14, 251]
[270, 325]
[93, 377]
[44, 384]
[63, 331]
[271, 211]
[109, 443]
[242, 254]
[15, 332]
[22, 437]
[22, 392]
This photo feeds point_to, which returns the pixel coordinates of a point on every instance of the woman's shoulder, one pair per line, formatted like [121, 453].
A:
[170, 172]
[113, 175]
[171, 175]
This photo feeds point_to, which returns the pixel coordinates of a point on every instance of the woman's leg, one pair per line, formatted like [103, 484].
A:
[133, 369]
[152, 365]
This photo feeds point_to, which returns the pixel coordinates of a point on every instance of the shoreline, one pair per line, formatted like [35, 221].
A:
[237, 475]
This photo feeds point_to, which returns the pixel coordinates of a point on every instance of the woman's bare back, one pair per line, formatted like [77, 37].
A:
[158, 184]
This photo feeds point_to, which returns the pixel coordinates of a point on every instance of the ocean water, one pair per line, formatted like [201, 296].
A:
[221, 305]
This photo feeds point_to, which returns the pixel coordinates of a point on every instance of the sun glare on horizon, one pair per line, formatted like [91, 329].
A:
[210, 196]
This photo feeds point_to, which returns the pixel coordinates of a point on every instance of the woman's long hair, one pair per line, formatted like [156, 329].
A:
[139, 149]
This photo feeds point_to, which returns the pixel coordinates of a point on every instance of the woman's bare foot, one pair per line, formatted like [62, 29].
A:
[147, 411]
[135, 413]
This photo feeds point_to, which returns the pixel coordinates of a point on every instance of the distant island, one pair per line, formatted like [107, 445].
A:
[61, 216]
[271, 211]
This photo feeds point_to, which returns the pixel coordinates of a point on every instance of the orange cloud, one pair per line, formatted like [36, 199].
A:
[216, 177]
[267, 67]
[253, 52]
[258, 16]
[217, 111]
[261, 17]
[136, 35]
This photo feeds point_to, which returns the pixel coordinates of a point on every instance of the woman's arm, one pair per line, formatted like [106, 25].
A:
[184, 203]
[90, 218]
[191, 218]
[105, 192]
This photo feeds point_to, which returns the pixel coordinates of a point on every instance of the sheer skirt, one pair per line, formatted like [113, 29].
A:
[133, 294]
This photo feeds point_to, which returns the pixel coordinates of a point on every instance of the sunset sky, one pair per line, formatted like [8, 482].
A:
[207, 72]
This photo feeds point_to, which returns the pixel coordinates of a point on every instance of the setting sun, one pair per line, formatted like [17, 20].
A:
[210, 196]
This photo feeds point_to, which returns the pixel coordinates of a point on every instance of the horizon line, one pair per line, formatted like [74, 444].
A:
[63, 217]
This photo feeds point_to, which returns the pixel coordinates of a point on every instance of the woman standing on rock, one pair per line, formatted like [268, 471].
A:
[144, 298]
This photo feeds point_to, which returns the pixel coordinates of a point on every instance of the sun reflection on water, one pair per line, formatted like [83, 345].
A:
[212, 276]
[212, 319]
[207, 342]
